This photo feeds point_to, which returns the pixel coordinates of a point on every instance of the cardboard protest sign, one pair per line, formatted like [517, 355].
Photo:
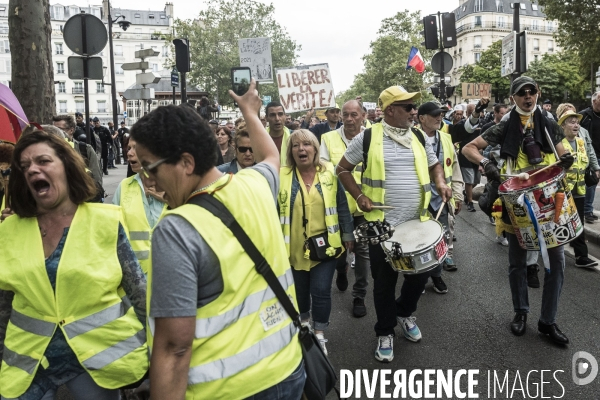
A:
[476, 90]
[304, 87]
[256, 54]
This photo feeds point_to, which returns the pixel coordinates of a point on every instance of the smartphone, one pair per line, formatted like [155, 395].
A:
[240, 80]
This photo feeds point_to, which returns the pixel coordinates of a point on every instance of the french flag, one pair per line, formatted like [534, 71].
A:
[415, 60]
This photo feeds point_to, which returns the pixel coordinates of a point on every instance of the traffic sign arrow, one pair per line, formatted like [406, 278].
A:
[146, 53]
[147, 78]
[139, 94]
[132, 66]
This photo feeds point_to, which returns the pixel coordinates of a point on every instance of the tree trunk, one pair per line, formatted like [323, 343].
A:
[29, 35]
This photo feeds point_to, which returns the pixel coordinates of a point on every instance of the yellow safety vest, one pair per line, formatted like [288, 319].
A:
[244, 341]
[522, 163]
[284, 144]
[329, 188]
[373, 179]
[336, 147]
[576, 174]
[138, 227]
[105, 334]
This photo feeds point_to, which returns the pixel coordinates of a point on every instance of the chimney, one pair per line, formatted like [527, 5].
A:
[105, 9]
[169, 10]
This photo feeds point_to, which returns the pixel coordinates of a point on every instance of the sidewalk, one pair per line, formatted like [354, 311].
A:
[592, 231]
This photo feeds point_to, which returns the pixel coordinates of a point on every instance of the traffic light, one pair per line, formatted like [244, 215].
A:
[431, 32]
[450, 91]
[435, 90]
[182, 54]
[448, 30]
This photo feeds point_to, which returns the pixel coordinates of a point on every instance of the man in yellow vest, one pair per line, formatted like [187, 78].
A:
[400, 167]
[216, 330]
[277, 129]
[526, 120]
[430, 118]
[333, 147]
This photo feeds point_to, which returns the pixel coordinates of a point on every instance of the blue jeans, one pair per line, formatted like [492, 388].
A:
[290, 388]
[315, 285]
[590, 193]
[553, 281]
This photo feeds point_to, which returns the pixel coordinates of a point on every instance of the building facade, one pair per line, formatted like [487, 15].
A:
[479, 23]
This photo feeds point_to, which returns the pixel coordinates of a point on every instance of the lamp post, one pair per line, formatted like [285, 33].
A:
[113, 87]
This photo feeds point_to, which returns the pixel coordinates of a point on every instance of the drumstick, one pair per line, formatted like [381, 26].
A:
[537, 171]
[522, 176]
[440, 210]
[383, 207]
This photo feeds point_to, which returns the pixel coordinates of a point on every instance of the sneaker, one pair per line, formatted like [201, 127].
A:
[533, 281]
[409, 328]
[594, 216]
[385, 348]
[471, 207]
[584, 262]
[322, 342]
[342, 281]
[439, 285]
[358, 309]
[502, 240]
[589, 219]
[492, 221]
[449, 264]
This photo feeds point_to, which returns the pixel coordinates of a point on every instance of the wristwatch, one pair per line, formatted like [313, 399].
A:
[484, 161]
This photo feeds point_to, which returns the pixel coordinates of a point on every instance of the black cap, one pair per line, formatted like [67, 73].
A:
[547, 101]
[430, 108]
[95, 119]
[78, 114]
[213, 122]
[122, 122]
[521, 81]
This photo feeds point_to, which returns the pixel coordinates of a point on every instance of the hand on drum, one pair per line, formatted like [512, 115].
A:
[364, 203]
[349, 246]
[492, 172]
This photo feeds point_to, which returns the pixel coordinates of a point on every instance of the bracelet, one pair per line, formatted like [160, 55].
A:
[358, 197]
[484, 161]
[339, 173]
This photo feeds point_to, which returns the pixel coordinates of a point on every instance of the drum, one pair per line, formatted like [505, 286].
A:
[540, 191]
[416, 247]
[373, 232]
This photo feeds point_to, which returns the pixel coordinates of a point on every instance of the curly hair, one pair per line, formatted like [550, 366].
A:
[169, 131]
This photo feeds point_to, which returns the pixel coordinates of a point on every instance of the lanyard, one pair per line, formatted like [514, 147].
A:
[304, 220]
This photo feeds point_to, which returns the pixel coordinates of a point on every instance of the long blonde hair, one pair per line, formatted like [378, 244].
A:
[302, 135]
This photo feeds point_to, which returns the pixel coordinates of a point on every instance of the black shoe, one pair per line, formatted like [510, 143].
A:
[471, 207]
[519, 324]
[555, 334]
[584, 262]
[589, 219]
[439, 285]
[105, 172]
[358, 309]
[342, 281]
[532, 276]
[594, 216]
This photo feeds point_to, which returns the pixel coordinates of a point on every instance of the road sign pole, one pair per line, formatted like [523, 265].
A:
[86, 92]
[183, 88]
[516, 28]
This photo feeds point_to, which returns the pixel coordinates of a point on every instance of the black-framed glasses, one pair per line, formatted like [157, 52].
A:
[406, 107]
[243, 149]
[151, 168]
[523, 92]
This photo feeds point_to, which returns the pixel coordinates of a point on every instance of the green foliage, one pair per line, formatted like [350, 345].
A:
[385, 65]
[487, 70]
[214, 38]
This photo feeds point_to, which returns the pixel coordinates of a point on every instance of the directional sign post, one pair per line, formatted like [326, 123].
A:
[174, 81]
[144, 78]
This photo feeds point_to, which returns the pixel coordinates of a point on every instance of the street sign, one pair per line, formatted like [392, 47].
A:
[96, 36]
[174, 77]
[436, 62]
[139, 94]
[75, 67]
[509, 55]
[476, 90]
[146, 53]
[266, 100]
[132, 66]
[124, 114]
[147, 78]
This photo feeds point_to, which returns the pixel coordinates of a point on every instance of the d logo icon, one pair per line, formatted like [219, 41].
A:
[581, 364]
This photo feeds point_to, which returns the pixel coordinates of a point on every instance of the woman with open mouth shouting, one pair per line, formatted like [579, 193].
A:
[66, 268]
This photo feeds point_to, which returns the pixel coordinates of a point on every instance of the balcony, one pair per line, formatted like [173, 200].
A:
[488, 25]
[139, 36]
[77, 90]
[100, 90]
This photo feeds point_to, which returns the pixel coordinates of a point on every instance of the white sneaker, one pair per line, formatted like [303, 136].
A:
[409, 328]
[502, 240]
[322, 342]
[385, 348]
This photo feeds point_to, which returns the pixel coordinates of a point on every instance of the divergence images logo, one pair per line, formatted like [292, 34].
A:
[584, 368]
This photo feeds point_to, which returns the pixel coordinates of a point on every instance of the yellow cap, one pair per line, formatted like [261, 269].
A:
[396, 93]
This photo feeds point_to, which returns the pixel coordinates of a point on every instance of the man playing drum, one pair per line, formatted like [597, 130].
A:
[524, 137]
[399, 169]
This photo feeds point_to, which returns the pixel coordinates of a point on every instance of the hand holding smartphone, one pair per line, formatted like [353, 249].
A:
[240, 80]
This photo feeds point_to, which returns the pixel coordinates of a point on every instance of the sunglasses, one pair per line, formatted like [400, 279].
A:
[523, 92]
[243, 149]
[406, 107]
[151, 168]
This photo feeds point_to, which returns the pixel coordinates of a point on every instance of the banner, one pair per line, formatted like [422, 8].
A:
[476, 90]
[256, 54]
[304, 87]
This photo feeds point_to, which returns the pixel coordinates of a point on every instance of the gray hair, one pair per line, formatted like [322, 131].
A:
[54, 130]
[595, 96]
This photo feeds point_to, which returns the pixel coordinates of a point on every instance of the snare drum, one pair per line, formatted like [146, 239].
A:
[416, 247]
[540, 191]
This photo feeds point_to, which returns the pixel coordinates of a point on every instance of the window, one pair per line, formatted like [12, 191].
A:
[162, 16]
[62, 106]
[535, 57]
[79, 106]
[550, 46]
[99, 87]
[4, 27]
[118, 50]
[138, 32]
[534, 7]
[7, 66]
[59, 48]
[155, 67]
[101, 106]
[534, 25]
[60, 67]
[477, 42]
[61, 87]
[73, 11]
[59, 12]
[478, 6]
[4, 46]
[151, 16]
[137, 15]
[478, 20]
[78, 88]
[501, 21]
[522, 6]
[165, 51]
[477, 57]
[460, 61]
[550, 26]
[536, 44]
[499, 6]
[3, 12]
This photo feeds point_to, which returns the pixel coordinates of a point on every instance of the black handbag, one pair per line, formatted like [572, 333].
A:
[590, 177]
[320, 374]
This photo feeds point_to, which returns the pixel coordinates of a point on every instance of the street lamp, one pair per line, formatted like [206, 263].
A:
[113, 87]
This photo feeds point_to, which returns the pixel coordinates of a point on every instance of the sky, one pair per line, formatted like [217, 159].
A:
[330, 31]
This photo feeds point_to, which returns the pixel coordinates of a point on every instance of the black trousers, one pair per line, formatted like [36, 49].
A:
[105, 163]
[578, 243]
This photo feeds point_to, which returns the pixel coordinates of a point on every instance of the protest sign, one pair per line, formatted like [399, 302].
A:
[369, 106]
[304, 87]
[256, 54]
[476, 90]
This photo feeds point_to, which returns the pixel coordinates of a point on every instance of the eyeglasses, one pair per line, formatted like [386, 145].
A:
[243, 149]
[406, 107]
[523, 92]
[151, 168]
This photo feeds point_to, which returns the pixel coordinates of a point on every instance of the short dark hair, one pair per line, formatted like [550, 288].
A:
[273, 104]
[227, 131]
[497, 107]
[81, 185]
[169, 131]
[69, 120]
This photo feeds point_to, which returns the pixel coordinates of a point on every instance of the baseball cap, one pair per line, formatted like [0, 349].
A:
[396, 93]
[95, 119]
[520, 82]
[334, 108]
[430, 108]
[547, 101]
[213, 122]
[122, 122]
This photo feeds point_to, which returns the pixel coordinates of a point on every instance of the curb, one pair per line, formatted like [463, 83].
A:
[593, 235]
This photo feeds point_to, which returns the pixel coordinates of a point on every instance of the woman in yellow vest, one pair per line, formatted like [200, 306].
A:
[66, 268]
[310, 200]
[569, 121]
[142, 207]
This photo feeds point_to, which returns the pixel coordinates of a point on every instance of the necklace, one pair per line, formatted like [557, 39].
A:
[204, 187]
[595, 115]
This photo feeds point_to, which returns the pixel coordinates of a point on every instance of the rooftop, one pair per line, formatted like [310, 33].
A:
[527, 8]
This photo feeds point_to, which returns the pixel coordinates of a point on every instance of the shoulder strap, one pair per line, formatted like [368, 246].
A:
[366, 146]
[214, 206]
[83, 151]
[419, 136]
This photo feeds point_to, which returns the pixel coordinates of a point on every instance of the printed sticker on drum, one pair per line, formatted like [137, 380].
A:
[425, 258]
[441, 249]
[272, 316]
[320, 242]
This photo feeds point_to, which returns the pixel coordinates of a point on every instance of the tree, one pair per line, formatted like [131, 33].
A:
[385, 65]
[214, 43]
[487, 70]
[32, 77]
